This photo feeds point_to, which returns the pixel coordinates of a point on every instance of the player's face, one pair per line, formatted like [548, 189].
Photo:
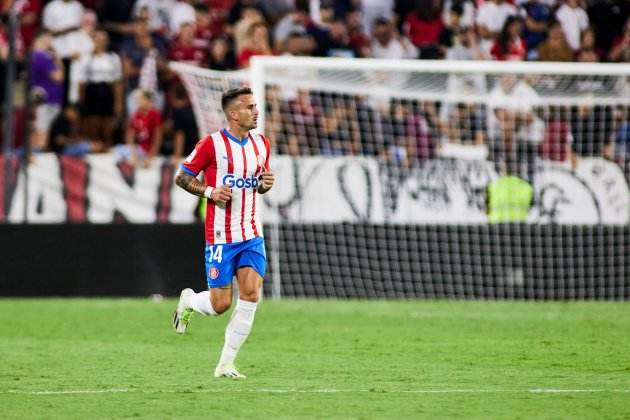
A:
[246, 113]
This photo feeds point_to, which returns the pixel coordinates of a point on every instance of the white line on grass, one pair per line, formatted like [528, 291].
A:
[312, 391]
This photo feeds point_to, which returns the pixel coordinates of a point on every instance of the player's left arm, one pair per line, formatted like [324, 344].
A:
[266, 178]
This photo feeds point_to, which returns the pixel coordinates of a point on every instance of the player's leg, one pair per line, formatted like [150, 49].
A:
[249, 276]
[220, 266]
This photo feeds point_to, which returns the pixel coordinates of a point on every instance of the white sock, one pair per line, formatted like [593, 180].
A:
[200, 302]
[237, 330]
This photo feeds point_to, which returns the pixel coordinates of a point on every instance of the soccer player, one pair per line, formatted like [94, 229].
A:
[235, 163]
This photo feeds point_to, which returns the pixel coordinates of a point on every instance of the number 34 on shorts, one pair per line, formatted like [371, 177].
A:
[222, 260]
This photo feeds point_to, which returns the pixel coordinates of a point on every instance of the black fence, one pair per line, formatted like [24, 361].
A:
[341, 260]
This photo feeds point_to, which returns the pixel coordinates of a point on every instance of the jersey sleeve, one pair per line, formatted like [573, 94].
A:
[200, 158]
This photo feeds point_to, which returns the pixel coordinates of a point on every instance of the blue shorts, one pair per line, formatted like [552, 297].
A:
[223, 260]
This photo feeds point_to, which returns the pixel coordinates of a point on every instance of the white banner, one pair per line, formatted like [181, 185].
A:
[317, 190]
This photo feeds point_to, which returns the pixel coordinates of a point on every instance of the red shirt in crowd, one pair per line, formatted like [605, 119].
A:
[144, 124]
[28, 30]
[191, 54]
[423, 32]
[517, 50]
[246, 54]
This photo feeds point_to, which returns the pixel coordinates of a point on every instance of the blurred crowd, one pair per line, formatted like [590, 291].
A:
[98, 76]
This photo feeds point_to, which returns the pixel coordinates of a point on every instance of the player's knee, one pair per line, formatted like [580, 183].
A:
[249, 295]
[221, 305]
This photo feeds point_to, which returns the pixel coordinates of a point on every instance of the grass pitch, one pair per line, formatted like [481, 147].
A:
[107, 358]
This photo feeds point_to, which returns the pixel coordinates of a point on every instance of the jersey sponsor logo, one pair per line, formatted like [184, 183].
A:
[214, 273]
[233, 182]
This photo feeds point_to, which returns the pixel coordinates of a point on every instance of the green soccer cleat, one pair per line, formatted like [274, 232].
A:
[228, 371]
[182, 314]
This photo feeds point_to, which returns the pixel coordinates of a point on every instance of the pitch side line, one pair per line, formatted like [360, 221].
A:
[314, 391]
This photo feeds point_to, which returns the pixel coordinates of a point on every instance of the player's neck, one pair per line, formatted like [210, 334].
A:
[237, 131]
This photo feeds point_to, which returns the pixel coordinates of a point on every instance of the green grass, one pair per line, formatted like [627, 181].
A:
[318, 359]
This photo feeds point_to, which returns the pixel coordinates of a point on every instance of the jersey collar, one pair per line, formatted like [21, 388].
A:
[229, 135]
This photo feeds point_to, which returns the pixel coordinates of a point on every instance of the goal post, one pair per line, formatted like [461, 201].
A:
[385, 170]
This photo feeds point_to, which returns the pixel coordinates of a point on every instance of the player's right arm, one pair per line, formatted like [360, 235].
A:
[219, 195]
[199, 160]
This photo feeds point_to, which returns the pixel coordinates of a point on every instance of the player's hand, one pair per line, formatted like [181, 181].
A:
[267, 180]
[221, 195]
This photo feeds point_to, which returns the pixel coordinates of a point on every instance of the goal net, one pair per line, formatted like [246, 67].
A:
[440, 179]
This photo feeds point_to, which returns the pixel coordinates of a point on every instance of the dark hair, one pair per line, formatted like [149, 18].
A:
[426, 10]
[457, 9]
[504, 36]
[229, 96]
[380, 21]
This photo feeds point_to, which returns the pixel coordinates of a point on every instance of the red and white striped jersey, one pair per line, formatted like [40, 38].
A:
[227, 160]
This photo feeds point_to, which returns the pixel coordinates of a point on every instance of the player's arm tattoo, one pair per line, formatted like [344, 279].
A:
[190, 183]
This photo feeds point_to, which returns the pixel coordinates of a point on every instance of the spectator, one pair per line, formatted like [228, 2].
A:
[465, 46]
[158, 12]
[421, 131]
[63, 19]
[203, 26]
[513, 128]
[183, 48]
[218, 12]
[29, 20]
[47, 77]
[509, 46]
[555, 47]
[65, 136]
[299, 44]
[388, 44]
[256, 43]
[395, 139]
[221, 56]
[359, 40]
[293, 22]
[588, 52]
[301, 120]
[143, 138]
[101, 91]
[339, 133]
[83, 47]
[574, 20]
[185, 131]
[452, 26]
[509, 198]
[338, 42]
[142, 60]
[466, 10]
[370, 10]
[116, 18]
[608, 17]
[592, 128]
[556, 145]
[243, 10]
[621, 47]
[182, 13]
[423, 28]
[537, 18]
[241, 30]
[490, 19]
[622, 138]
[465, 124]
